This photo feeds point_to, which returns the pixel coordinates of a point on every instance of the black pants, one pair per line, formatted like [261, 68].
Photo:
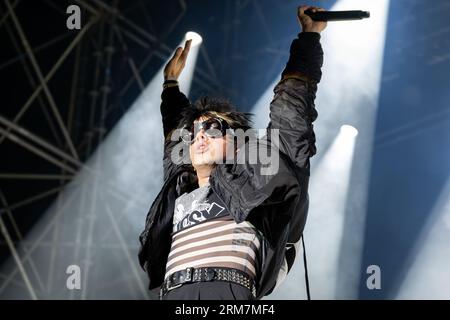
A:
[211, 290]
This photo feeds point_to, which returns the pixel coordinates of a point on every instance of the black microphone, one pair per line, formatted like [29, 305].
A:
[337, 15]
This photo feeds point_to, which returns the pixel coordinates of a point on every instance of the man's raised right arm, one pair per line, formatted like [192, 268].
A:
[173, 100]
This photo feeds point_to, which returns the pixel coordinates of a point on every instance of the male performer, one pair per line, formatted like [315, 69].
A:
[221, 230]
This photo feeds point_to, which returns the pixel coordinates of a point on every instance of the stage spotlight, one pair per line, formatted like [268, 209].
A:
[196, 38]
[349, 131]
[186, 77]
[101, 212]
[348, 93]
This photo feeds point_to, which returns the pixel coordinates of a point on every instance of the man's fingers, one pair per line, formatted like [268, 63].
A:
[306, 22]
[187, 47]
[187, 44]
[185, 52]
[301, 10]
[316, 9]
[177, 53]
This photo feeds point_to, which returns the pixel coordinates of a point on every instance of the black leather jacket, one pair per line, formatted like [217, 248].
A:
[277, 204]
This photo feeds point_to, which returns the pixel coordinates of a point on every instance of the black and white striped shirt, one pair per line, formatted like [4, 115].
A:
[205, 235]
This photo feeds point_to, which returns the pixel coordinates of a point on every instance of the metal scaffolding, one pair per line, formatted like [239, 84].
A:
[106, 34]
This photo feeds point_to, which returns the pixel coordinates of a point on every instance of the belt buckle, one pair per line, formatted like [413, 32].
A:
[170, 287]
[187, 278]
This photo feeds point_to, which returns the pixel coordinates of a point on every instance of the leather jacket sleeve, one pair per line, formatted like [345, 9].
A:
[292, 109]
[173, 102]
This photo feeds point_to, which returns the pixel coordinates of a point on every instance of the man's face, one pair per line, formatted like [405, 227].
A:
[206, 150]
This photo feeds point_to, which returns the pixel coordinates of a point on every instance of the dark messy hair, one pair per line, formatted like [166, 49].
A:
[211, 107]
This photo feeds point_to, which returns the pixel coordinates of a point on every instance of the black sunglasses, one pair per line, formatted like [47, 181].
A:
[213, 127]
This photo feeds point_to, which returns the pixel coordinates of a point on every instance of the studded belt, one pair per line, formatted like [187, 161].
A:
[190, 275]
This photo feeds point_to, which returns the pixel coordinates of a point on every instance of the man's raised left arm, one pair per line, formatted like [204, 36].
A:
[292, 109]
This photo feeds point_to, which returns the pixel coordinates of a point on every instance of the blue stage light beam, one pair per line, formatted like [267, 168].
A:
[348, 93]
